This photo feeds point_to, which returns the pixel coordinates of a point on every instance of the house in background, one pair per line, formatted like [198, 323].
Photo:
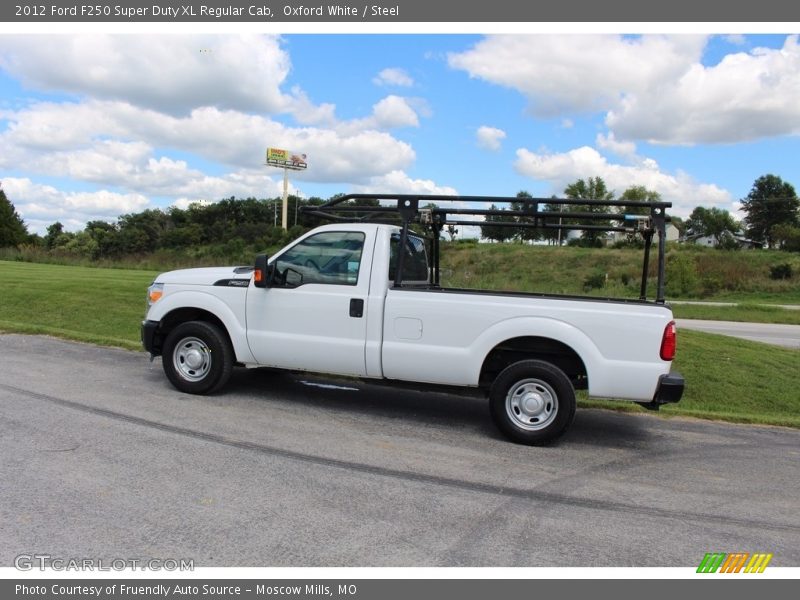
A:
[709, 241]
[673, 235]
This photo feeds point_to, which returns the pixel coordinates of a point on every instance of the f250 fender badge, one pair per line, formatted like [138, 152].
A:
[233, 282]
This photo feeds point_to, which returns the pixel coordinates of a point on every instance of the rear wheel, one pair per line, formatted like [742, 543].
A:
[532, 402]
[197, 357]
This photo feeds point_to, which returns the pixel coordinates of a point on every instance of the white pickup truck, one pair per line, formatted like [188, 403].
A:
[336, 301]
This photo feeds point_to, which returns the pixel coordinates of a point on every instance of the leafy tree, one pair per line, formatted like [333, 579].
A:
[141, 232]
[56, 236]
[787, 237]
[771, 202]
[524, 233]
[12, 228]
[496, 233]
[593, 188]
[368, 202]
[82, 244]
[553, 236]
[637, 193]
[716, 222]
[53, 233]
[307, 220]
[183, 236]
[105, 236]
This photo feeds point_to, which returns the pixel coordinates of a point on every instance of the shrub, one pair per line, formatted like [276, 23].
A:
[712, 284]
[596, 281]
[781, 271]
[682, 277]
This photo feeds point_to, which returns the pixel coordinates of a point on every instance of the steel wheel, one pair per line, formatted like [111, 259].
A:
[198, 357]
[192, 358]
[532, 404]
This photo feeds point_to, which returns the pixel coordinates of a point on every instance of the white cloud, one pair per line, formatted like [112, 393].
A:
[169, 73]
[52, 126]
[561, 74]
[181, 118]
[391, 112]
[398, 182]
[746, 96]
[232, 138]
[737, 39]
[41, 205]
[393, 77]
[308, 113]
[561, 169]
[490, 138]
[609, 142]
[394, 111]
[184, 203]
[652, 88]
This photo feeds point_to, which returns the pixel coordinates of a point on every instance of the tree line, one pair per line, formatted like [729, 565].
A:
[233, 226]
[593, 188]
[772, 217]
[225, 228]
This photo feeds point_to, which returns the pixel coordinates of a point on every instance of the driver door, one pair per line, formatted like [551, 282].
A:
[314, 317]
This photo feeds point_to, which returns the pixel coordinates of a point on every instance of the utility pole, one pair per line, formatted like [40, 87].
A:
[287, 160]
[285, 206]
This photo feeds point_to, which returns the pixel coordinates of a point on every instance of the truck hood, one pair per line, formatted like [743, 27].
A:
[205, 276]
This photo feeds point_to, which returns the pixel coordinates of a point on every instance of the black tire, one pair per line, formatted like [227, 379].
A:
[532, 402]
[197, 357]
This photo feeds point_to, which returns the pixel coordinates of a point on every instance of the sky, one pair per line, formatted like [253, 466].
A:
[96, 125]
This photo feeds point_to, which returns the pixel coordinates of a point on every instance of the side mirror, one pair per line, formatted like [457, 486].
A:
[262, 274]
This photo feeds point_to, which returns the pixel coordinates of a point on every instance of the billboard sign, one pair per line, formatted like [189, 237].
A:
[287, 159]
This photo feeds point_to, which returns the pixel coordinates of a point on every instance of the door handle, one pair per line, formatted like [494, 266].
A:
[357, 307]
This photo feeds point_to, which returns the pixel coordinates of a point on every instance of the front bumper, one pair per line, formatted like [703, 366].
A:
[669, 390]
[150, 338]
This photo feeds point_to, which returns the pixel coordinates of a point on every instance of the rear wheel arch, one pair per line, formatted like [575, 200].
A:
[541, 348]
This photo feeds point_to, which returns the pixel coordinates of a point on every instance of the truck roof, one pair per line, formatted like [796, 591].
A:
[358, 227]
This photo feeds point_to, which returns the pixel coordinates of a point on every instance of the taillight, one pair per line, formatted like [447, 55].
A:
[669, 342]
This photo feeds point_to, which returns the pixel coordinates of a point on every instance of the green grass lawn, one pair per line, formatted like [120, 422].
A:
[101, 306]
[727, 378]
[747, 313]
[692, 273]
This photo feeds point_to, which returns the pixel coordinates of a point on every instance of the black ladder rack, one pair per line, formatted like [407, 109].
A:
[404, 209]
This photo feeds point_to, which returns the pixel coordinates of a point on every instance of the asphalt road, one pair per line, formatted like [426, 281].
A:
[100, 457]
[768, 333]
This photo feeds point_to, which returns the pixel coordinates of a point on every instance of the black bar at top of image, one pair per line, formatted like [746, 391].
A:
[376, 11]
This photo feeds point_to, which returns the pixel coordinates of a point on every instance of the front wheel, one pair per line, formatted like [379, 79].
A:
[532, 402]
[197, 357]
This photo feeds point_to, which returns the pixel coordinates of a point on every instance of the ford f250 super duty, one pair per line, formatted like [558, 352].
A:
[362, 299]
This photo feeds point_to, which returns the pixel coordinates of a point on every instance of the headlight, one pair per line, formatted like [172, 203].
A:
[154, 293]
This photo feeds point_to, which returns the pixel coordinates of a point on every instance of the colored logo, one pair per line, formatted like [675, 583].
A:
[737, 562]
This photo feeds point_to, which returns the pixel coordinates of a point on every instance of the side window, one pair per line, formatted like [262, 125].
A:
[332, 257]
[415, 262]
